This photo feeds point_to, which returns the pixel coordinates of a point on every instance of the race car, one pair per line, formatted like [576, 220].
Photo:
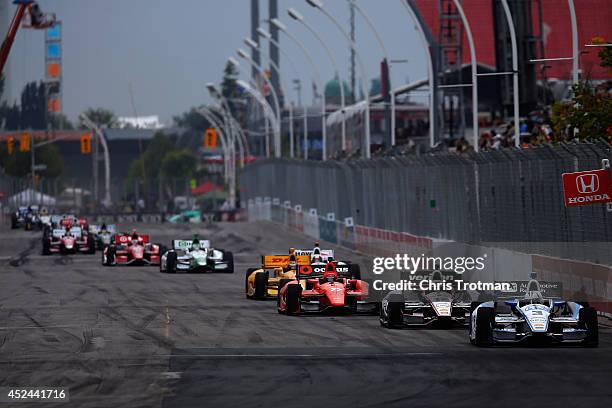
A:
[131, 249]
[263, 282]
[32, 219]
[533, 318]
[324, 287]
[196, 256]
[102, 234]
[26, 217]
[276, 270]
[418, 308]
[67, 241]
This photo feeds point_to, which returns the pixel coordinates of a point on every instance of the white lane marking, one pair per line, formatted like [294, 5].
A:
[171, 375]
[38, 327]
[342, 355]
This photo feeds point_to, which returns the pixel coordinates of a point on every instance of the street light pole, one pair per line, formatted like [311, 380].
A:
[430, 72]
[267, 109]
[468, 32]
[268, 36]
[386, 56]
[234, 128]
[279, 24]
[252, 44]
[515, 79]
[98, 132]
[318, 4]
[277, 138]
[575, 54]
[215, 92]
[210, 117]
[294, 14]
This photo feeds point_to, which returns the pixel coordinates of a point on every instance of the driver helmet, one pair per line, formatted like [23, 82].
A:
[330, 274]
[292, 265]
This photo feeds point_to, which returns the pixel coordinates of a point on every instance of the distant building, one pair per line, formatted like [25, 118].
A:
[140, 122]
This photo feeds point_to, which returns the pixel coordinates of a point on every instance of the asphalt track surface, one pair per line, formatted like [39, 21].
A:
[133, 337]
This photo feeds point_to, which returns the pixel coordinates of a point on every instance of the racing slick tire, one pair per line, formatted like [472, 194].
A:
[91, 246]
[46, 247]
[171, 262]
[13, 221]
[261, 285]
[246, 281]
[355, 271]
[484, 332]
[110, 256]
[473, 306]
[281, 284]
[588, 319]
[229, 258]
[394, 318]
[293, 294]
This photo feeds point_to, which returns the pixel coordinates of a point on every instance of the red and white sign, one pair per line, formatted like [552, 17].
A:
[587, 187]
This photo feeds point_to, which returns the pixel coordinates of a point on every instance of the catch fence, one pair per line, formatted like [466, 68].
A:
[511, 198]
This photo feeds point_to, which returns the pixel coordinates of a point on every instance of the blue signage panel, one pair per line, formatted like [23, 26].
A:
[54, 33]
[54, 50]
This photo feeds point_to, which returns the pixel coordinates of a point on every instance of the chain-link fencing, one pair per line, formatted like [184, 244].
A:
[509, 198]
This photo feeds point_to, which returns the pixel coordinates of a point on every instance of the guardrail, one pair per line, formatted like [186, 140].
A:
[585, 280]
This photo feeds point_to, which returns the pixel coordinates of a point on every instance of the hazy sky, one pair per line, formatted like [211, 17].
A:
[168, 49]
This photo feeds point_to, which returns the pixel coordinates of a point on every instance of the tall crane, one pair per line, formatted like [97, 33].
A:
[38, 20]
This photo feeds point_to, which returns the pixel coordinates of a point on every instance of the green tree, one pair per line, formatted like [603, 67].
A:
[102, 117]
[590, 110]
[154, 154]
[33, 106]
[229, 87]
[191, 120]
[60, 121]
[18, 164]
[179, 164]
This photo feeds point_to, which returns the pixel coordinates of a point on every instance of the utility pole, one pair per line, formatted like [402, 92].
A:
[95, 170]
[352, 23]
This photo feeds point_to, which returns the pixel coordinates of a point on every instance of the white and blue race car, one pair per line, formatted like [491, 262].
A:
[531, 318]
[196, 256]
[102, 234]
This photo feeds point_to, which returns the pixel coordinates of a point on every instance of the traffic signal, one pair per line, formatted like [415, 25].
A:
[86, 143]
[24, 142]
[10, 141]
[210, 138]
[53, 104]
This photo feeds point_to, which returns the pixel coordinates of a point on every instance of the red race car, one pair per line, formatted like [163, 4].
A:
[132, 249]
[324, 287]
[68, 240]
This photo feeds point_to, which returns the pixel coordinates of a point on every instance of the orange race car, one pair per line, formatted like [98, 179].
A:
[263, 282]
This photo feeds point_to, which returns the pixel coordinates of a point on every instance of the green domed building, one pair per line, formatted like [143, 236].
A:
[332, 92]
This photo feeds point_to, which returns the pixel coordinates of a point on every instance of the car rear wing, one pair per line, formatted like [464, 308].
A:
[325, 253]
[519, 289]
[316, 270]
[281, 261]
[187, 244]
[124, 239]
[96, 228]
[76, 232]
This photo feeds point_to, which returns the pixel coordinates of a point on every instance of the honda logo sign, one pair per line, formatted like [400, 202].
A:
[587, 183]
[587, 187]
